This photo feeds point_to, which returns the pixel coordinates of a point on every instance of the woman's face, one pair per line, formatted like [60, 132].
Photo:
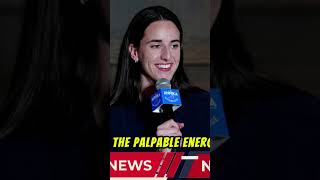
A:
[159, 51]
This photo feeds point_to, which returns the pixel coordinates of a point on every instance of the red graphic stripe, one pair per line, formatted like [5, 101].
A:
[175, 164]
[165, 164]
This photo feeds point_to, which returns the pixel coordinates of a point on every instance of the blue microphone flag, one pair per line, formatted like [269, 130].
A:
[165, 96]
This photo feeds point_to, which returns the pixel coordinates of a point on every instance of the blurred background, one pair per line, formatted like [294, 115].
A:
[283, 38]
[11, 19]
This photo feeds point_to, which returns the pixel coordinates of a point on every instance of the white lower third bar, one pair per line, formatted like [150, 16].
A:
[189, 157]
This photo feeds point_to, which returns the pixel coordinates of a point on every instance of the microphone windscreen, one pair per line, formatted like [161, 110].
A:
[163, 83]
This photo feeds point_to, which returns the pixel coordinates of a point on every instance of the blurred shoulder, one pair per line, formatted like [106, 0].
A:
[195, 95]
[194, 92]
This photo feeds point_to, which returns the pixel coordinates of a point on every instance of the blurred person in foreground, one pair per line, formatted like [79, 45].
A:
[273, 127]
[49, 126]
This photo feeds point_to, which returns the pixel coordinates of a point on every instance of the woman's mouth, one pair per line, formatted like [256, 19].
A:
[164, 66]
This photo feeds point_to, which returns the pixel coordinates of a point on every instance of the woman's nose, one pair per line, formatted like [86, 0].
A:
[165, 54]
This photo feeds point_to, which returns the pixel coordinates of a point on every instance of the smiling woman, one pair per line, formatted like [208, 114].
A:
[152, 49]
[159, 52]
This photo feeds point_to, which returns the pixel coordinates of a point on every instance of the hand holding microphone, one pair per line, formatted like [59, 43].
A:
[170, 128]
[166, 101]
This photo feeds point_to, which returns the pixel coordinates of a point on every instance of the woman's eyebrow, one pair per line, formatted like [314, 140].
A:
[154, 40]
[159, 41]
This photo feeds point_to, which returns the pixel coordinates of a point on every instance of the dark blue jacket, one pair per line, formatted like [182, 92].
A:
[138, 119]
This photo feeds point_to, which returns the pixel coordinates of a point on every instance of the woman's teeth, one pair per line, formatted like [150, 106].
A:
[164, 66]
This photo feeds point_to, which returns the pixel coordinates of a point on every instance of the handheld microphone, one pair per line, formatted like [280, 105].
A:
[165, 100]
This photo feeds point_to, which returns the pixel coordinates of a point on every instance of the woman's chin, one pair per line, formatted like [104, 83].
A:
[165, 76]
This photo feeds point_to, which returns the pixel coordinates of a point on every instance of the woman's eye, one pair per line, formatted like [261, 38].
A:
[175, 46]
[155, 46]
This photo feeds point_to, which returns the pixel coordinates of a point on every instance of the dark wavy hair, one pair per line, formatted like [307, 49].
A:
[56, 79]
[127, 82]
[231, 64]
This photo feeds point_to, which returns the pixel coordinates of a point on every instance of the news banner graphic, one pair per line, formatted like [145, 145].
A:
[161, 142]
[159, 165]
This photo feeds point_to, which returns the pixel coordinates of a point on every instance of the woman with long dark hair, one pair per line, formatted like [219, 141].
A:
[49, 119]
[57, 66]
[152, 48]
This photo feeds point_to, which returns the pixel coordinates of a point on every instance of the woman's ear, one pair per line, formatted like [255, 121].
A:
[133, 53]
